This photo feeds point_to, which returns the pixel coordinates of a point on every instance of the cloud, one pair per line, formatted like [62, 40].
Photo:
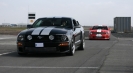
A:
[104, 3]
[2, 4]
[23, 8]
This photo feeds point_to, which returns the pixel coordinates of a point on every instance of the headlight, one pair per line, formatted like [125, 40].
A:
[107, 32]
[29, 37]
[51, 37]
[20, 37]
[63, 38]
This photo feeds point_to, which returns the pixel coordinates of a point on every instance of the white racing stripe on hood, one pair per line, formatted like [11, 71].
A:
[47, 30]
[100, 25]
[99, 30]
[37, 31]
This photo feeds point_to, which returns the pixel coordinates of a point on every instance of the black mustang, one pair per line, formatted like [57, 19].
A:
[51, 34]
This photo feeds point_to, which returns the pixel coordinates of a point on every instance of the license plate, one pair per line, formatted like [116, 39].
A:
[98, 35]
[39, 45]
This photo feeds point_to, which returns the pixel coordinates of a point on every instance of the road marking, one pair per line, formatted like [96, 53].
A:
[6, 53]
[33, 67]
[11, 43]
[6, 38]
[1, 38]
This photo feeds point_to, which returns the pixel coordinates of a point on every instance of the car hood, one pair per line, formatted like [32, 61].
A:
[45, 31]
[99, 30]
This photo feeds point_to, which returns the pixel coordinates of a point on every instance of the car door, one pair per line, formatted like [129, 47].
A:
[77, 32]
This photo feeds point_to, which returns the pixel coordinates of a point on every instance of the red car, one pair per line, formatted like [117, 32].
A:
[99, 32]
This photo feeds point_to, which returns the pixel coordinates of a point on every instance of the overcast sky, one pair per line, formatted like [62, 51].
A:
[87, 12]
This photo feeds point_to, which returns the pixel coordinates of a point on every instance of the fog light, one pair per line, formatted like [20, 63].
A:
[20, 44]
[64, 44]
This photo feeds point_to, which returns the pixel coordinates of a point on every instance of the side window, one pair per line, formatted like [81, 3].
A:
[78, 23]
[37, 23]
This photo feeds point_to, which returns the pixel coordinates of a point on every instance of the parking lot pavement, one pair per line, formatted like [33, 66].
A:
[8, 36]
[123, 35]
[119, 59]
[7, 43]
[99, 56]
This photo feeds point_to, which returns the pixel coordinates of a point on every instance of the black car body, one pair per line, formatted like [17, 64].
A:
[50, 34]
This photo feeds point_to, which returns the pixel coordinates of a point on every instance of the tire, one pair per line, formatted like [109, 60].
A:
[82, 45]
[72, 48]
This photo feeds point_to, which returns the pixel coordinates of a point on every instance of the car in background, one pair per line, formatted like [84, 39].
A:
[99, 32]
[51, 34]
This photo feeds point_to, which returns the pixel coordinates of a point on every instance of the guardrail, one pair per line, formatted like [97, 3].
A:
[13, 26]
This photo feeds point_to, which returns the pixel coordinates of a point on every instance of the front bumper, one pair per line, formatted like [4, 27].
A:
[48, 47]
[104, 36]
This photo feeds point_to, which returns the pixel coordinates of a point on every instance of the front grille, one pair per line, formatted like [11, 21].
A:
[50, 44]
[44, 38]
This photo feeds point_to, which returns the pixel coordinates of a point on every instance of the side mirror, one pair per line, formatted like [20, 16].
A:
[29, 26]
[90, 28]
[77, 26]
[109, 28]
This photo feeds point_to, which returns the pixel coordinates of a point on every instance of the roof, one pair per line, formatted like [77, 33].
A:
[56, 17]
[99, 25]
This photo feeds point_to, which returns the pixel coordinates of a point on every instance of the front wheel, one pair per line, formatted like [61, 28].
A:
[72, 48]
[82, 45]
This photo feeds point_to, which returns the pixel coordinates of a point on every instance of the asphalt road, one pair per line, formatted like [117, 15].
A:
[99, 56]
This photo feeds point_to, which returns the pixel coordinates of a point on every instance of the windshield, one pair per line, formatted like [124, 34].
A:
[60, 22]
[100, 27]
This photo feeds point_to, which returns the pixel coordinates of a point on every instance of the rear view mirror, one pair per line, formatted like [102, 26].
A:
[29, 26]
